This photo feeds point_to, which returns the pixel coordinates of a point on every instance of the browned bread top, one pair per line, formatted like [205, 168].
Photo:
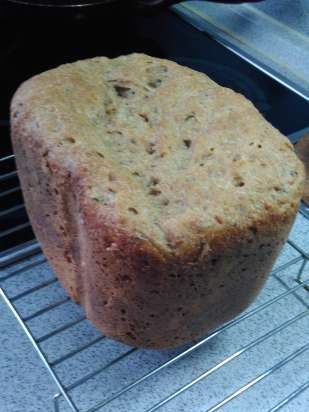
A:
[167, 154]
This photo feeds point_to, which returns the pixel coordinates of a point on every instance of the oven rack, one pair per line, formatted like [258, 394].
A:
[17, 262]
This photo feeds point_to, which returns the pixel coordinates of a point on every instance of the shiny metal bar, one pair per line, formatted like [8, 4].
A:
[305, 286]
[60, 329]
[56, 402]
[290, 397]
[18, 253]
[7, 176]
[301, 270]
[49, 307]
[34, 289]
[286, 265]
[228, 359]
[74, 352]
[260, 377]
[299, 249]
[14, 229]
[12, 210]
[38, 350]
[23, 269]
[10, 191]
[298, 297]
[9, 157]
[99, 370]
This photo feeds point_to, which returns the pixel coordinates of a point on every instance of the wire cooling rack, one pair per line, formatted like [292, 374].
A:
[258, 361]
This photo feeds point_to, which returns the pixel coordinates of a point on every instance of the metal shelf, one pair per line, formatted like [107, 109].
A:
[28, 258]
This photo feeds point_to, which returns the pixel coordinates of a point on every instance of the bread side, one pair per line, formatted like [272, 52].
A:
[302, 151]
[160, 198]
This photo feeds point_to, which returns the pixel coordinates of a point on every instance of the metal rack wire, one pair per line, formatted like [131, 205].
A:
[19, 261]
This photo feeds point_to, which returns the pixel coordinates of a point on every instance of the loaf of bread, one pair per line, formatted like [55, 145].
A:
[160, 198]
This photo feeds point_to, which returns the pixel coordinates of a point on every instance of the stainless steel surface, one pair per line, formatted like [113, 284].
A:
[272, 35]
[20, 258]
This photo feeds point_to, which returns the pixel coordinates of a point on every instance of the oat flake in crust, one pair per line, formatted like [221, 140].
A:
[160, 198]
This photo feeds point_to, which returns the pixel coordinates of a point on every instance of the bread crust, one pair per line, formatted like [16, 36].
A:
[302, 151]
[132, 287]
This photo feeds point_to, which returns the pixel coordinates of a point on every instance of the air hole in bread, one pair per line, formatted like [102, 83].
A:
[111, 177]
[187, 143]
[130, 335]
[69, 139]
[154, 181]
[114, 132]
[154, 191]
[155, 83]
[150, 148]
[133, 210]
[238, 181]
[123, 91]
[190, 117]
[219, 220]
[144, 117]
[67, 257]
[253, 229]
